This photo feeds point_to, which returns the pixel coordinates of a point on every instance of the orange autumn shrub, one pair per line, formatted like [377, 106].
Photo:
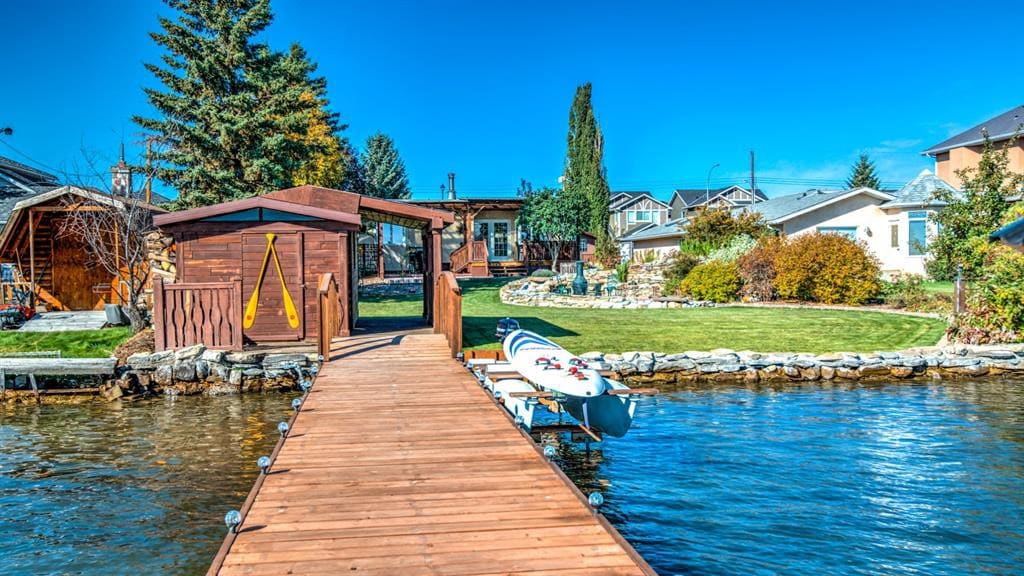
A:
[826, 268]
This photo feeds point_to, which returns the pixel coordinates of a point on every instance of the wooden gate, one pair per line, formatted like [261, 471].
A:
[208, 313]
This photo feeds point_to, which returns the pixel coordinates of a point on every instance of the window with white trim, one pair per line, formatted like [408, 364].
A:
[917, 230]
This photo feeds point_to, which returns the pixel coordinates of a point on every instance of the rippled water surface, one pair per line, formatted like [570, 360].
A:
[887, 479]
[901, 479]
[127, 488]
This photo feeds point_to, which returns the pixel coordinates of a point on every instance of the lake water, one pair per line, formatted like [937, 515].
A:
[887, 479]
[127, 488]
[901, 479]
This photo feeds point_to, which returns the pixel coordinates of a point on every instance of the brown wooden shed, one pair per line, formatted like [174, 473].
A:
[244, 266]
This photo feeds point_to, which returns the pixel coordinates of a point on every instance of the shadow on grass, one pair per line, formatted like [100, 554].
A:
[479, 330]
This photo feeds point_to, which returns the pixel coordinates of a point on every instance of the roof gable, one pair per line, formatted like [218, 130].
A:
[623, 199]
[1001, 127]
[699, 196]
[782, 208]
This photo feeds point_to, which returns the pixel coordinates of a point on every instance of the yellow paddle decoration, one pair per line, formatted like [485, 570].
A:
[289, 306]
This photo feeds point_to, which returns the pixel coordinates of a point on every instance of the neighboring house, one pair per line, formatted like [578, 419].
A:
[687, 201]
[481, 223]
[653, 241]
[895, 226]
[631, 211]
[964, 150]
[19, 182]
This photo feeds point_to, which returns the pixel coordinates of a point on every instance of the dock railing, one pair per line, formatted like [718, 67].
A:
[448, 311]
[331, 314]
[208, 313]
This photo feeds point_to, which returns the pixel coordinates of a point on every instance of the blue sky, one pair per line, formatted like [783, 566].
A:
[483, 88]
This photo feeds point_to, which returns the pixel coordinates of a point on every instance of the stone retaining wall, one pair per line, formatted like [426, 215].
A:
[539, 292]
[196, 370]
[645, 368]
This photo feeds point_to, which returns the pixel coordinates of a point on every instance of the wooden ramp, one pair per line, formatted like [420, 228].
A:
[401, 464]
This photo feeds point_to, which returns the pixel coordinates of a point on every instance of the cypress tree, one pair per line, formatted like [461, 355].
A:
[233, 115]
[585, 174]
[383, 171]
[863, 174]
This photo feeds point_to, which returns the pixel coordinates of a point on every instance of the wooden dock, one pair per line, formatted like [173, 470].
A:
[401, 464]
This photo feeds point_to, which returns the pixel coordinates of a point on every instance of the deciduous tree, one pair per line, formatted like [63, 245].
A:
[553, 217]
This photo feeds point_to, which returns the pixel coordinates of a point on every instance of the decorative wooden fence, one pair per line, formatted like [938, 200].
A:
[331, 314]
[208, 313]
[448, 311]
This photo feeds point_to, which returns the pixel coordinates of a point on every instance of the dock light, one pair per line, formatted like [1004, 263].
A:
[232, 519]
[461, 357]
[549, 451]
[497, 394]
[263, 463]
[282, 427]
[306, 384]
[595, 499]
[520, 420]
[296, 404]
[314, 370]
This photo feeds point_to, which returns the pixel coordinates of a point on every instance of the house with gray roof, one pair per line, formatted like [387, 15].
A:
[634, 210]
[20, 182]
[896, 226]
[685, 202]
[964, 149]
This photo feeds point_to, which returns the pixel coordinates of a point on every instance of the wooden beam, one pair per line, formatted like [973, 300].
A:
[58, 366]
[32, 257]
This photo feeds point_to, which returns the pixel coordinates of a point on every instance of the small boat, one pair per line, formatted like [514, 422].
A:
[600, 404]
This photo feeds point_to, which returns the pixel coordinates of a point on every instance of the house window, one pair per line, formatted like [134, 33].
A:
[918, 228]
[643, 215]
[894, 235]
[583, 244]
[848, 231]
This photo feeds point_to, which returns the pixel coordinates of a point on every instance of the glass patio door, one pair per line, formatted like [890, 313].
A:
[496, 234]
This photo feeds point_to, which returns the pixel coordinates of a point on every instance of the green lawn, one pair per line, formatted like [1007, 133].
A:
[938, 287]
[677, 330]
[76, 344]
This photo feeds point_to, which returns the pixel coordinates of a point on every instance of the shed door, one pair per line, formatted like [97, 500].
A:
[271, 322]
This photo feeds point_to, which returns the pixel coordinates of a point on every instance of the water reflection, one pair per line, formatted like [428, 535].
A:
[819, 479]
[138, 486]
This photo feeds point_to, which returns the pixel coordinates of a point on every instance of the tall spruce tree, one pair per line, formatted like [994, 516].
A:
[863, 175]
[383, 171]
[233, 114]
[584, 166]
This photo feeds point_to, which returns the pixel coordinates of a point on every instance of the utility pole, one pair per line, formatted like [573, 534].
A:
[753, 183]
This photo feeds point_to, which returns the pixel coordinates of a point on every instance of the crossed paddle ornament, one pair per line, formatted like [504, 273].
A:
[254, 300]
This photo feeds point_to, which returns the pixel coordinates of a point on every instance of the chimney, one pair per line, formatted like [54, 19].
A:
[451, 186]
[121, 177]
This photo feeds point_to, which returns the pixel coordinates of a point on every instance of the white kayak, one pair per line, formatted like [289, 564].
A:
[581, 390]
[547, 364]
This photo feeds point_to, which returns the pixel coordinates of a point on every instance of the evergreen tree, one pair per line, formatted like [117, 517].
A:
[584, 167]
[383, 170]
[233, 115]
[863, 175]
[355, 175]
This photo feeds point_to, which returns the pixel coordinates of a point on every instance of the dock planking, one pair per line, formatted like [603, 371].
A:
[400, 463]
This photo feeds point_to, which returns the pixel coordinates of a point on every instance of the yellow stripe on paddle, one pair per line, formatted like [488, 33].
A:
[250, 309]
[289, 306]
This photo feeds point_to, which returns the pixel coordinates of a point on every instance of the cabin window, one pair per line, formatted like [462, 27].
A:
[259, 215]
[917, 225]
[848, 231]
[252, 215]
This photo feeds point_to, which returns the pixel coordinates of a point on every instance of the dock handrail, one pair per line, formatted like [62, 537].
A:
[448, 311]
[188, 313]
[331, 314]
